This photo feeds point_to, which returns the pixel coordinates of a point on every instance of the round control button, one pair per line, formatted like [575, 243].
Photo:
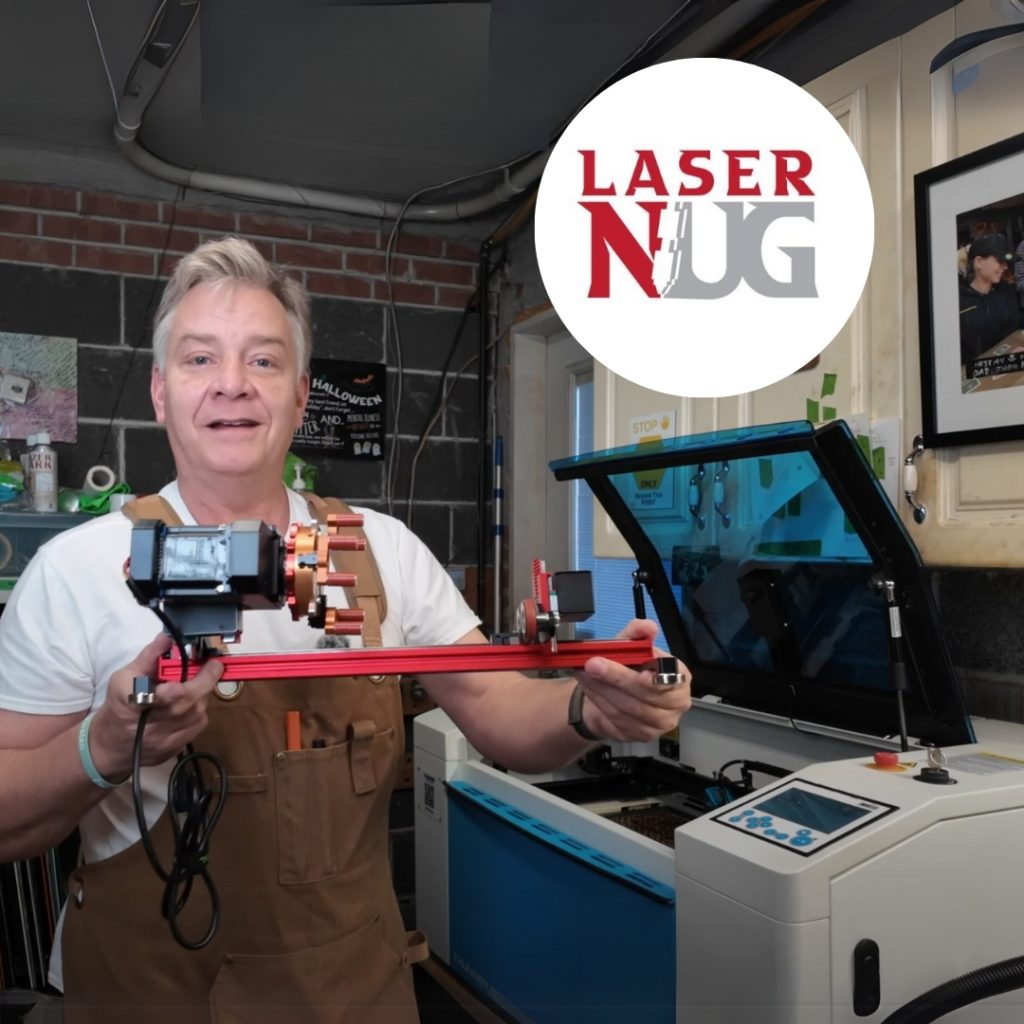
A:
[736, 817]
[782, 836]
[886, 758]
[803, 831]
[751, 824]
[801, 841]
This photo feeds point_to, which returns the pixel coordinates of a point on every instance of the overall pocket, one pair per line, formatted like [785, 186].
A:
[357, 979]
[332, 803]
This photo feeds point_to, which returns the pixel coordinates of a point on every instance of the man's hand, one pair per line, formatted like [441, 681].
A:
[626, 704]
[177, 715]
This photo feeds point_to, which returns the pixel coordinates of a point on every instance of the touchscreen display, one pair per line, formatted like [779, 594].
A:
[811, 810]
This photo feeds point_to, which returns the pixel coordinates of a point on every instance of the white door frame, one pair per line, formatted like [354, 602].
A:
[532, 534]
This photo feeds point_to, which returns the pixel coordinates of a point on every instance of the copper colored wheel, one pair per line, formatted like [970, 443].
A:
[526, 621]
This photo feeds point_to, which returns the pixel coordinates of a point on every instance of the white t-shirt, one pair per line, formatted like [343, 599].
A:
[71, 622]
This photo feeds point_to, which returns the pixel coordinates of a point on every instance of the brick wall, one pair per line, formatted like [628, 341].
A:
[91, 265]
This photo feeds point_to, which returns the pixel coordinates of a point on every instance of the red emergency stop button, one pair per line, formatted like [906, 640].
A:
[887, 759]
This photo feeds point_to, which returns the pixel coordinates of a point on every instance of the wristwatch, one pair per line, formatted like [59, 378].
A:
[576, 715]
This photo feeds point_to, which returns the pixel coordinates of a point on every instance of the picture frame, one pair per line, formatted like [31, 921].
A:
[972, 382]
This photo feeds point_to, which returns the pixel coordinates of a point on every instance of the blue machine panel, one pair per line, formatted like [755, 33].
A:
[551, 929]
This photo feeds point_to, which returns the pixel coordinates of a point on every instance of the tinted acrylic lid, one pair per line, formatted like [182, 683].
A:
[767, 551]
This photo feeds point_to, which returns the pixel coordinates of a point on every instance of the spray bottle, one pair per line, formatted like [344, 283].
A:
[41, 473]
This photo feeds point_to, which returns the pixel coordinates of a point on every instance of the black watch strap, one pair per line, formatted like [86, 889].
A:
[576, 714]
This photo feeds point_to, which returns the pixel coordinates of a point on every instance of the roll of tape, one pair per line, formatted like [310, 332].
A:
[98, 480]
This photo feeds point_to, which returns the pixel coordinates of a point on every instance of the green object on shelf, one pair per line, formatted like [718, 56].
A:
[99, 504]
[10, 486]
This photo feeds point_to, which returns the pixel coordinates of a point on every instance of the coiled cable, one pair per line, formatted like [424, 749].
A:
[193, 814]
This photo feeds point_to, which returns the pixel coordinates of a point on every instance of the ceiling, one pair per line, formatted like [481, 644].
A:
[378, 100]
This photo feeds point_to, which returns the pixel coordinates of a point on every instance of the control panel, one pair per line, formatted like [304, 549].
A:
[802, 817]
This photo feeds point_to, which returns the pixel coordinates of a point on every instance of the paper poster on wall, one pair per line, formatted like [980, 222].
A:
[38, 386]
[345, 412]
[652, 489]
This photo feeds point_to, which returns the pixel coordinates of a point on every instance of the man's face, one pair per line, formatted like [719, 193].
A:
[230, 394]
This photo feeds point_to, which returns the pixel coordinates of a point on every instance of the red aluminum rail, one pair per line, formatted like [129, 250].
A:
[571, 654]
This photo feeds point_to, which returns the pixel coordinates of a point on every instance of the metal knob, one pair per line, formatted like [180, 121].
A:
[667, 673]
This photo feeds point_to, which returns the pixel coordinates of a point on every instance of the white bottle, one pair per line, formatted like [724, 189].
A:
[299, 483]
[41, 475]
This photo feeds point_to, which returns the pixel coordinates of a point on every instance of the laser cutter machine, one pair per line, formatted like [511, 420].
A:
[822, 840]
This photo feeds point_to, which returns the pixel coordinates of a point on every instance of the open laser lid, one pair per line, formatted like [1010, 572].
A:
[764, 548]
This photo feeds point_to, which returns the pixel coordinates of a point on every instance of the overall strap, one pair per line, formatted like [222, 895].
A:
[369, 590]
[152, 506]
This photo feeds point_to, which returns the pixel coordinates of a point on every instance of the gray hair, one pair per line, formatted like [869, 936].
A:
[234, 261]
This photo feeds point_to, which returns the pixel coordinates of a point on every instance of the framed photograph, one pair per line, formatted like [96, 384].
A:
[970, 273]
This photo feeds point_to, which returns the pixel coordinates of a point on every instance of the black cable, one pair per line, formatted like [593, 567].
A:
[992, 980]
[720, 774]
[789, 713]
[472, 303]
[189, 796]
[483, 465]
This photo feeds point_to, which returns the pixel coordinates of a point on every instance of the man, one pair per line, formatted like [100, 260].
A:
[309, 927]
[988, 306]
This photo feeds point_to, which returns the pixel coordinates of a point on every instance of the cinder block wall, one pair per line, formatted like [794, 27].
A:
[91, 266]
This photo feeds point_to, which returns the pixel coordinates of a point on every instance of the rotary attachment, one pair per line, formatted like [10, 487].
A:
[537, 617]
[557, 597]
[308, 573]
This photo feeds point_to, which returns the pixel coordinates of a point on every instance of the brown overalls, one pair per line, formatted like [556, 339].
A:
[310, 929]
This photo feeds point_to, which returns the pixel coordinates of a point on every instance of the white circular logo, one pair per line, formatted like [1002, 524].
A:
[704, 227]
